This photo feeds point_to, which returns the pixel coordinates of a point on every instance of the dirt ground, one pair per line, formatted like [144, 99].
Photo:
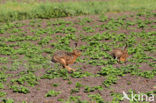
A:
[125, 83]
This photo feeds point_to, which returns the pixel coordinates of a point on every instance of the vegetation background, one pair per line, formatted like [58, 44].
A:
[11, 10]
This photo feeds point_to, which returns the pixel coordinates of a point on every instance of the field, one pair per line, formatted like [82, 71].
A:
[27, 74]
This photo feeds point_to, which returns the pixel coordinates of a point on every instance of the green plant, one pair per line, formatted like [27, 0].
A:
[2, 94]
[111, 79]
[1, 85]
[96, 97]
[75, 90]
[117, 97]
[78, 85]
[29, 78]
[7, 101]
[20, 89]
[52, 93]
[55, 85]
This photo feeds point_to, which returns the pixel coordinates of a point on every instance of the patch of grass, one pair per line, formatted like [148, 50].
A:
[11, 11]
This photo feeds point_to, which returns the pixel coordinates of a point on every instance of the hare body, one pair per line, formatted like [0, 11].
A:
[117, 53]
[66, 58]
[120, 54]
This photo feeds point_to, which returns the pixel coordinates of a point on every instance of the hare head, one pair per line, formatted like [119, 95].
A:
[77, 52]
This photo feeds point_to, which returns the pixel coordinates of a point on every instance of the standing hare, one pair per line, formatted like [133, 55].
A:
[120, 54]
[66, 58]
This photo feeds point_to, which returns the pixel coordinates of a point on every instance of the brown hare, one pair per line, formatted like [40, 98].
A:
[66, 58]
[120, 54]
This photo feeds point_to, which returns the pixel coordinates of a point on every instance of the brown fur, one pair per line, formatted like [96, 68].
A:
[120, 54]
[48, 101]
[66, 58]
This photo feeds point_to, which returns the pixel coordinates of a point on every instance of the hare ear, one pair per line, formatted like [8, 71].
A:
[125, 47]
[76, 44]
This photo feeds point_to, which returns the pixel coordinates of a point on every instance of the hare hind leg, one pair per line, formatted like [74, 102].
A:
[63, 62]
[69, 68]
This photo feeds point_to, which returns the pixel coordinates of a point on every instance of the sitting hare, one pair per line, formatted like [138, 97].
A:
[66, 58]
[120, 54]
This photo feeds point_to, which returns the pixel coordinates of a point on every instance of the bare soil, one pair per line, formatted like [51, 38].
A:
[125, 83]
